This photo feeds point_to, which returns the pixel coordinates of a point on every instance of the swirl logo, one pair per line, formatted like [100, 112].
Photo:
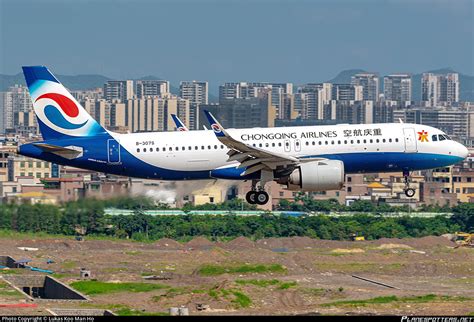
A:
[216, 128]
[54, 114]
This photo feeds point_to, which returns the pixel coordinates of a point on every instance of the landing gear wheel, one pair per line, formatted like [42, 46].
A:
[262, 197]
[250, 197]
[410, 192]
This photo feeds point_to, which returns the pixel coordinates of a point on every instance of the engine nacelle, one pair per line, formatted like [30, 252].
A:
[317, 176]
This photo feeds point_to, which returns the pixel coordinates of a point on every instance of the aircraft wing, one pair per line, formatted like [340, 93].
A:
[252, 158]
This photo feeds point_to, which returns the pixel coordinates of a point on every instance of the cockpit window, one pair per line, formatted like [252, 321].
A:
[434, 138]
[442, 137]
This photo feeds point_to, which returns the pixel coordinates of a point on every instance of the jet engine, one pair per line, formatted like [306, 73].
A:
[317, 176]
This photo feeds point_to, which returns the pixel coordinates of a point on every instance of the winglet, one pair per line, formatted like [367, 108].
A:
[215, 125]
[179, 124]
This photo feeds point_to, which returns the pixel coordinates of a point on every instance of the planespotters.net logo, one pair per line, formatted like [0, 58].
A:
[437, 319]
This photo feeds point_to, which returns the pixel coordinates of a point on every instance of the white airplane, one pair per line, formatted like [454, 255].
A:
[305, 158]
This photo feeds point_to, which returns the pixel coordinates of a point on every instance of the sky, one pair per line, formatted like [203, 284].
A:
[222, 40]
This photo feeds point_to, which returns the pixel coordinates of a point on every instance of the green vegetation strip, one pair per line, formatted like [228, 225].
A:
[266, 283]
[96, 287]
[391, 299]
[213, 270]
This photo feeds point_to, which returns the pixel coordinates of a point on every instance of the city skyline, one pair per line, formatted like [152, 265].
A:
[278, 42]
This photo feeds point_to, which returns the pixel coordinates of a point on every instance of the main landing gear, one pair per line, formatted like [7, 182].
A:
[409, 192]
[257, 195]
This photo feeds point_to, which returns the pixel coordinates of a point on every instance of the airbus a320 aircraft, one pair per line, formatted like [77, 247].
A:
[306, 158]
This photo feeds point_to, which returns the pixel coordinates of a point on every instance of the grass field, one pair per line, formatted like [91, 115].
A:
[393, 299]
[96, 287]
[214, 270]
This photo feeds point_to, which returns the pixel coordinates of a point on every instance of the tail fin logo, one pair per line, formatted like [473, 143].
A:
[66, 105]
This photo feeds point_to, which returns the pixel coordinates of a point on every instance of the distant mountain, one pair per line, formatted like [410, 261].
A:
[344, 77]
[466, 91]
[76, 82]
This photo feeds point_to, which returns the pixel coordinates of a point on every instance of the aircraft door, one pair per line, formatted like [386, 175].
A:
[113, 151]
[410, 140]
[297, 145]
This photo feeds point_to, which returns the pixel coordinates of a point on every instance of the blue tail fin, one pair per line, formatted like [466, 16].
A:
[59, 114]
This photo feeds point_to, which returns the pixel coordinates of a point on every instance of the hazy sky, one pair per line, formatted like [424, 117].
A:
[298, 41]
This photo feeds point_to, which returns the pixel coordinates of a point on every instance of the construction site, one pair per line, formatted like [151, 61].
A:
[278, 276]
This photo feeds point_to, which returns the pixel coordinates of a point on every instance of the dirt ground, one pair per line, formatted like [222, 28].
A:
[318, 276]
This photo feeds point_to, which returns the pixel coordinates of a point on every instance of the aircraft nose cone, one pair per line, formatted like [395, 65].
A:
[463, 151]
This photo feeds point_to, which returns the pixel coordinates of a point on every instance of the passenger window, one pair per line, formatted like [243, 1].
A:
[396, 140]
[338, 142]
[383, 140]
[138, 150]
[307, 143]
[326, 142]
[222, 147]
[371, 141]
[260, 145]
[377, 140]
[345, 141]
[190, 147]
[215, 147]
[144, 150]
[358, 141]
[365, 141]
[314, 143]
[273, 144]
[352, 141]
[202, 147]
[434, 138]
[177, 148]
[171, 149]
[208, 147]
[183, 148]
[279, 143]
[266, 145]
[390, 140]
[196, 147]
[320, 142]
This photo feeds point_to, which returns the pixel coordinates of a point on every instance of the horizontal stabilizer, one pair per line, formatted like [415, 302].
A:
[68, 152]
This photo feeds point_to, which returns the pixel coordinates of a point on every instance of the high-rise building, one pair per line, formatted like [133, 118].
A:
[16, 107]
[346, 92]
[439, 89]
[153, 113]
[449, 88]
[397, 87]
[144, 88]
[194, 91]
[197, 93]
[118, 90]
[369, 83]
[252, 89]
[243, 112]
[317, 95]
[99, 110]
[352, 112]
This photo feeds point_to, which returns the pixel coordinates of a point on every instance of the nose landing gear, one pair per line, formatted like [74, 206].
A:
[409, 192]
